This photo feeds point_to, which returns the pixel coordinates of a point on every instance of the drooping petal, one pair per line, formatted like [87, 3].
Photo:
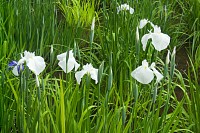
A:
[76, 65]
[94, 75]
[62, 64]
[61, 56]
[79, 75]
[145, 39]
[12, 63]
[36, 64]
[143, 74]
[143, 22]
[15, 71]
[159, 76]
[71, 63]
[62, 61]
[160, 41]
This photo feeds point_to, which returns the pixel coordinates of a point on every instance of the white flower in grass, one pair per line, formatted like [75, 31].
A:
[143, 22]
[145, 74]
[71, 63]
[35, 63]
[159, 40]
[16, 67]
[125, 7]
[87, 69]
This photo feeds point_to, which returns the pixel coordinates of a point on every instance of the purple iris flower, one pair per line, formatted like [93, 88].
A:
[12, 64]
[16, 68]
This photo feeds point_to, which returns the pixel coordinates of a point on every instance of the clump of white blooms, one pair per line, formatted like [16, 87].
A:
[125, 7]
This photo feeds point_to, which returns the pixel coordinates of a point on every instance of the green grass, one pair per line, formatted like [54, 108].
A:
[118, 103]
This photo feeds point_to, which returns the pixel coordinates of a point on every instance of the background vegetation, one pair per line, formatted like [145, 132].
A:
[118, 103]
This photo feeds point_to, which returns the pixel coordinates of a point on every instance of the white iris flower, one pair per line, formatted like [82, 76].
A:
[145, 74]
[125, 7]
[159, 40]
[87, 69]
[35, 63]
[71, 63]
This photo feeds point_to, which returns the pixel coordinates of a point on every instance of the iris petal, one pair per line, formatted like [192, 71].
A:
[143, 75]
[94, 75]
[160, 41]
[79, 75]
[62, 64]
[144, 40]
[36, 64]
[12, 63]
[89, 69]
[15, 71]
[71, 63]
[159, 76]
[143, 22]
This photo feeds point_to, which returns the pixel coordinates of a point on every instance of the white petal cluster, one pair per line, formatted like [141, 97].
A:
[159, 40]
[125, 7]
[71, 63]
[87, 69]
[35, 63]
[145, 74]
